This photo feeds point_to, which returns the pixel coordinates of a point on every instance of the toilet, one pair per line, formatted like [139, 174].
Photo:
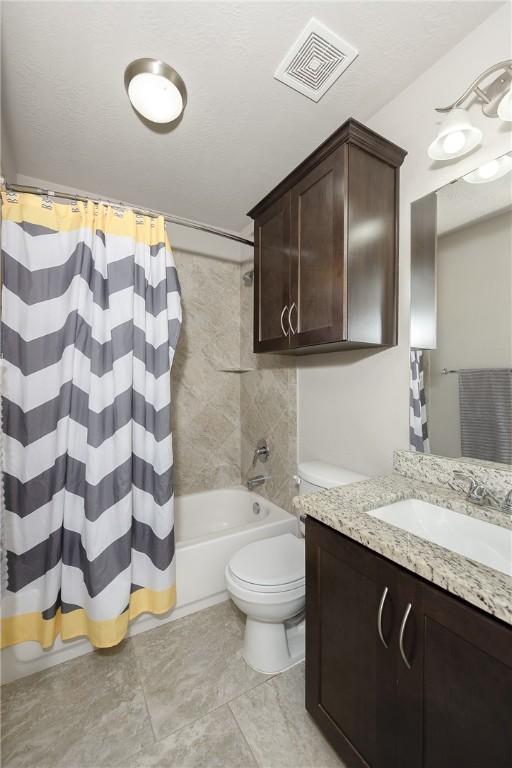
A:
[266, 580]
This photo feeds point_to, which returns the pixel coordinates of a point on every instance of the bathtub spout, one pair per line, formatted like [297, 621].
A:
[253, 482]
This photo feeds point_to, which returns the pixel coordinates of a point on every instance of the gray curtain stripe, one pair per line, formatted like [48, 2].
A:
[67, 546]
[36, 286]
[32, 356]
[35, 230]
[66, 472]
[27, 427]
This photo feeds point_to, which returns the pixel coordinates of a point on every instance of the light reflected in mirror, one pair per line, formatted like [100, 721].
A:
[461, 293]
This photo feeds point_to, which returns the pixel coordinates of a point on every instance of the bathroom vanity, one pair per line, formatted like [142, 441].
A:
[326, 248]
[408, 644]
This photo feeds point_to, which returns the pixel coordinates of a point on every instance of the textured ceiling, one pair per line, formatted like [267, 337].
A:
[461, 203]
[68, 120]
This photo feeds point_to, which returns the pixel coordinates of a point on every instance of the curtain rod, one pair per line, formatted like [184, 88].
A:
[446, 371]
[190, 223]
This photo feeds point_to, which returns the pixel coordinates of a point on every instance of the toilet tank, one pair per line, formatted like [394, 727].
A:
[317, 475]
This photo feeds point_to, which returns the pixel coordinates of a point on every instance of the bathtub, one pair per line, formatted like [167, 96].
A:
[209, 528]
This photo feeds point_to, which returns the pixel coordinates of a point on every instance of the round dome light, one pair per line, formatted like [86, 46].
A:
[155, 90]
[491, 171]
[456, 137]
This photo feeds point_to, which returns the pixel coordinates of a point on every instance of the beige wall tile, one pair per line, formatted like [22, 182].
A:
[218, 417]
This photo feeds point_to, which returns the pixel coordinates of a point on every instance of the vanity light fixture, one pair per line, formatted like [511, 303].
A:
[457, 135]
[155, 89]
[490, 171]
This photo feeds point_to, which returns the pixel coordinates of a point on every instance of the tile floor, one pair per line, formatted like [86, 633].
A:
[180, 696]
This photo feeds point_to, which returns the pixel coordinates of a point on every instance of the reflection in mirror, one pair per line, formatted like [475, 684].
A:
[461, 318]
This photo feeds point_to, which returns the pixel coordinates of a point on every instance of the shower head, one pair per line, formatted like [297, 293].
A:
[248, 277]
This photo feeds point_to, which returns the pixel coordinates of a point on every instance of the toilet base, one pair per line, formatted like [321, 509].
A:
[272, 647]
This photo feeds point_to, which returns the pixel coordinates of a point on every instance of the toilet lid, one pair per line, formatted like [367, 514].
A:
[270, 562]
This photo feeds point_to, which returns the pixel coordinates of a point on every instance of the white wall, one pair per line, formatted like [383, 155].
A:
[474, 318]
[353, 406]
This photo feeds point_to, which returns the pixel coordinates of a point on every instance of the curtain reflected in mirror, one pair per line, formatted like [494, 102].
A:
[461, 319]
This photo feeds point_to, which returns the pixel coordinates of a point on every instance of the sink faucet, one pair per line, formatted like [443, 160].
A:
[477, 493]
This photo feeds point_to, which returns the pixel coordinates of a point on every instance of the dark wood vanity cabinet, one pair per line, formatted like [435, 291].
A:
[326, 249]
[393, 686]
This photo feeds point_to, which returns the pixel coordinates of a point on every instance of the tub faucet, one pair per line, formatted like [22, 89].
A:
[253, 482]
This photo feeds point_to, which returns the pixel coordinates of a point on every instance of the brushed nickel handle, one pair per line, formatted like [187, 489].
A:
[379, 617]
[293, 306]
[282, 317]
[401, 637]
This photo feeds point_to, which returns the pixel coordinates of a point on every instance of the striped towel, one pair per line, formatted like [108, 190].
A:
[485, 402]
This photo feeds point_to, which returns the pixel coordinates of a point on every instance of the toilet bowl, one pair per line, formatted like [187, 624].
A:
[266, 580]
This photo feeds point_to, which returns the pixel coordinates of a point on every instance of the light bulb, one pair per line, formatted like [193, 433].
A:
[488, 170]
[454, 142]
[505, 106]
[155, 97]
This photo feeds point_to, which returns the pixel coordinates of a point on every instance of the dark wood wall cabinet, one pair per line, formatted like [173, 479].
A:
[326, 249]
[400, 674]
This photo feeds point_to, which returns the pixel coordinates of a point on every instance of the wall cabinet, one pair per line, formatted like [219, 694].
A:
[326, 249]
[400, 674]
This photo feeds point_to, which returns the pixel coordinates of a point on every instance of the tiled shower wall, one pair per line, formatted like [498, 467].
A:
[218, 416]
[206, 401]
[268, 409]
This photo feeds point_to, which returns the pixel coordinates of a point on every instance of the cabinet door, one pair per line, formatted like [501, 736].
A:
[350, 673]
[318, 295]
[456, 701]
[272, 277]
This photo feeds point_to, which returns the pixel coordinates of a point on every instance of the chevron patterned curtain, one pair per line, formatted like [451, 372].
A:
[91, 318]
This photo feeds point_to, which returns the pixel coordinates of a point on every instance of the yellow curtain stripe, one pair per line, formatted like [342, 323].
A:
[102, 634]
[33, 209]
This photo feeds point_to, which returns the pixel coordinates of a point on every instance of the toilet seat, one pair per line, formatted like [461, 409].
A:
[269, 565]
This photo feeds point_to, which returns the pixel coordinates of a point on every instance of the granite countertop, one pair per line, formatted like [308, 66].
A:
[344, 508]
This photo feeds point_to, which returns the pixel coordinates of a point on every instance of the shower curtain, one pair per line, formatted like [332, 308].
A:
[91, 318]
[418, 427]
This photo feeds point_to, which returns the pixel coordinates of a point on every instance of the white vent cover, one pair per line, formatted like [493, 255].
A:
[315, 61]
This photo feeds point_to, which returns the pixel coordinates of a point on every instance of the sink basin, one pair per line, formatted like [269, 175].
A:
[486, 543]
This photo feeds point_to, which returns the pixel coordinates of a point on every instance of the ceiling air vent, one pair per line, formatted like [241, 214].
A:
[315, 61]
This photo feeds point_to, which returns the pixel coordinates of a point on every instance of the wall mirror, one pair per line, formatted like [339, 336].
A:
[461, 317]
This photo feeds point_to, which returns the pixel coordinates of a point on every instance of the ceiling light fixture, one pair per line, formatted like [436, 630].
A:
[491, 171]
[155, 89]
[457, 136]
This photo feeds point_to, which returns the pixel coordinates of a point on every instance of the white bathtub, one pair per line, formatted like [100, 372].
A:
[210, 527]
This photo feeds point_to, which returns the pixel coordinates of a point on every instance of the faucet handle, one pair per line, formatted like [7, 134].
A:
[506, 504]
[262, 452]
[458, 474]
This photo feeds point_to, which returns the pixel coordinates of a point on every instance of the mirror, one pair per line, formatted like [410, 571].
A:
[461, 317]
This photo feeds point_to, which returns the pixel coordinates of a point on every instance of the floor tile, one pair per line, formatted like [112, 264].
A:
[213, 741]
[87, 713]
[190, 667]
[277, 727]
